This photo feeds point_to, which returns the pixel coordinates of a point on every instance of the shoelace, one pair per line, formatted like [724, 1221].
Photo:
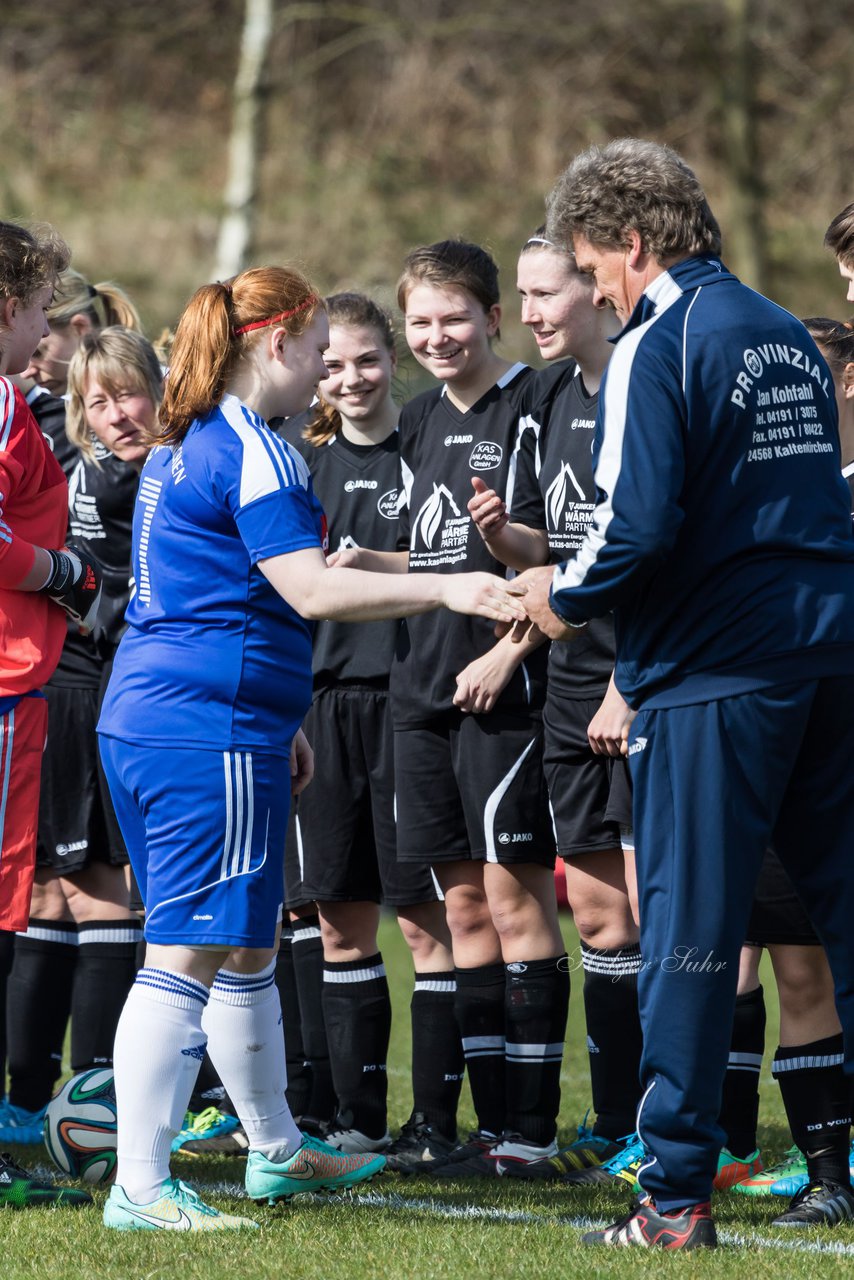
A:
[790, 1159]
[185, 1194]
[632, 1151]
[206, 1120]
[7, 1162]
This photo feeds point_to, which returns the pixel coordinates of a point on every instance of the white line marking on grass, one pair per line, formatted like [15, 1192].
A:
[488, 1213]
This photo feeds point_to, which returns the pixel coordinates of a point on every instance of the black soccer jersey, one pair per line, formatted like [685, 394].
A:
[101, 498]
[555, 491]
[358, 488]
[441, 449]
[848, 473]
[49, 413]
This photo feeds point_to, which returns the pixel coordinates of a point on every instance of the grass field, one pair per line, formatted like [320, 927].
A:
[405, 1228]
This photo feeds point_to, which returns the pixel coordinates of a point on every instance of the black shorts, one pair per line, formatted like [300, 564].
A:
[590, 795]
[471, 788]
[342, 844]
[77, 822]
[777, 915]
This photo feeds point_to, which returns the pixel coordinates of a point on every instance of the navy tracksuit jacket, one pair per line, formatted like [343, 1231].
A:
[722, 538]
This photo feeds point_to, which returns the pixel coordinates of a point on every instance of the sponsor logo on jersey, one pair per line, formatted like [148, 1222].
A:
[486, 456]
[178, 471]
[637, 746]
[560, 493]
[346, 543]
[74, 847]
[433, 514]
[389, 504]
[449, 440]
[352, 485]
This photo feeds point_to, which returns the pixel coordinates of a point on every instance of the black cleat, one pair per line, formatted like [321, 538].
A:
[818, 1204]
[646, 1228]
[20, 1190]
[419, 1147]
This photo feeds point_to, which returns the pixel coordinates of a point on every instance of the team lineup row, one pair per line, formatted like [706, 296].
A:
[495, 469]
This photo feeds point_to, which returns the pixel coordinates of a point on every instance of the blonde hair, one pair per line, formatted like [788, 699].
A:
[218, 328]
[105, 304]
[121, 360]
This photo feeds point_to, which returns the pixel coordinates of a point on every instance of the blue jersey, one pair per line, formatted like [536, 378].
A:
[213, 657]
[722, 534]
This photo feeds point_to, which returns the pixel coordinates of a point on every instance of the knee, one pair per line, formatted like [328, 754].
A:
[605, 926]
[48, 900]
[348, 932]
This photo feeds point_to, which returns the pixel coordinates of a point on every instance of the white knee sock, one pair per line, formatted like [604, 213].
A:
[159, 1048]
[246, 1042]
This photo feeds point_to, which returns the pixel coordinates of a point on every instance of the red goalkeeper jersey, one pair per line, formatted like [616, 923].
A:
[33, 511]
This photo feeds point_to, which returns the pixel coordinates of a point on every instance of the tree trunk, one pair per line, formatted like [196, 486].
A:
[744, 240]
[234, 246]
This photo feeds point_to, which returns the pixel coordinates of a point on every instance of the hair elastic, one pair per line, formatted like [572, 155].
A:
[283, 315]
[540, 240]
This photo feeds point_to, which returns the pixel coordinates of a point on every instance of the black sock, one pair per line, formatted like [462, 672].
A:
[357, 1010]
[438, 1065]
[536, 1005]
[7, 952]
[298, 1090]
[479, 1006]
[307, 952]
[38, 998]
[614, 1038]
[817, 1097]
[740, 1100]
[103, 976]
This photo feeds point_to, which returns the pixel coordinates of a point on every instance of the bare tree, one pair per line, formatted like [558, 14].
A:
[234, 245]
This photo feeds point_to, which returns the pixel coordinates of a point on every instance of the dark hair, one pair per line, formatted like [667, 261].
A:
[30, 259]
[836, 339]
[839, 236]
[633, 185]
[351, 310]
[454, 263]
[218, 328]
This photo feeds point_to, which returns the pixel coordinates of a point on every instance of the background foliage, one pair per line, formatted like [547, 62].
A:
[402, 121]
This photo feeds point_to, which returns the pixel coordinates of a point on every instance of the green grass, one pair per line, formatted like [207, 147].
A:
[401, 1228]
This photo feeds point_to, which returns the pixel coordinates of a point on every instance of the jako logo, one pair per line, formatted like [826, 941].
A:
[517, 967]
[504, 837]
[637, 745]
[458, 440]
[518, 837]
[389, 504]
[359, 484]
[486, 456]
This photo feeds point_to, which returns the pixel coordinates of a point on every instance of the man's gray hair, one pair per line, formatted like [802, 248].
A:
[633, 185]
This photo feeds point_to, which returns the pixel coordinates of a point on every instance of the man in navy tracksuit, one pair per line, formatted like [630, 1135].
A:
[722, 539]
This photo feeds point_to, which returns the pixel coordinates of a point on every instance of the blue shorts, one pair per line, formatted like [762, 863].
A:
[205, 831]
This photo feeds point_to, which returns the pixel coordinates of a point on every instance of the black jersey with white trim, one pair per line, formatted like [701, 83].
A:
[358, 487]
[555, 491]
[848, 473]
[441, 449]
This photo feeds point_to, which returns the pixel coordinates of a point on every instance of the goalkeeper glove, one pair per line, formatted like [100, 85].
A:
[75, 583]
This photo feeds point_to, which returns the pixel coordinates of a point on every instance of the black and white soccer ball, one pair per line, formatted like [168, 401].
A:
[80, 1126]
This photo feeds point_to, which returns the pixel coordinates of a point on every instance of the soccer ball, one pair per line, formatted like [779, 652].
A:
[80, 1127]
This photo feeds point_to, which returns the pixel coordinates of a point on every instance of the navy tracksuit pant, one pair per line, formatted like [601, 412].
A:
[714, 784]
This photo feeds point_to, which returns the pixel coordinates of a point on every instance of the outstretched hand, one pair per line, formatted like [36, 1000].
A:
[483, 595]
[533, 588]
